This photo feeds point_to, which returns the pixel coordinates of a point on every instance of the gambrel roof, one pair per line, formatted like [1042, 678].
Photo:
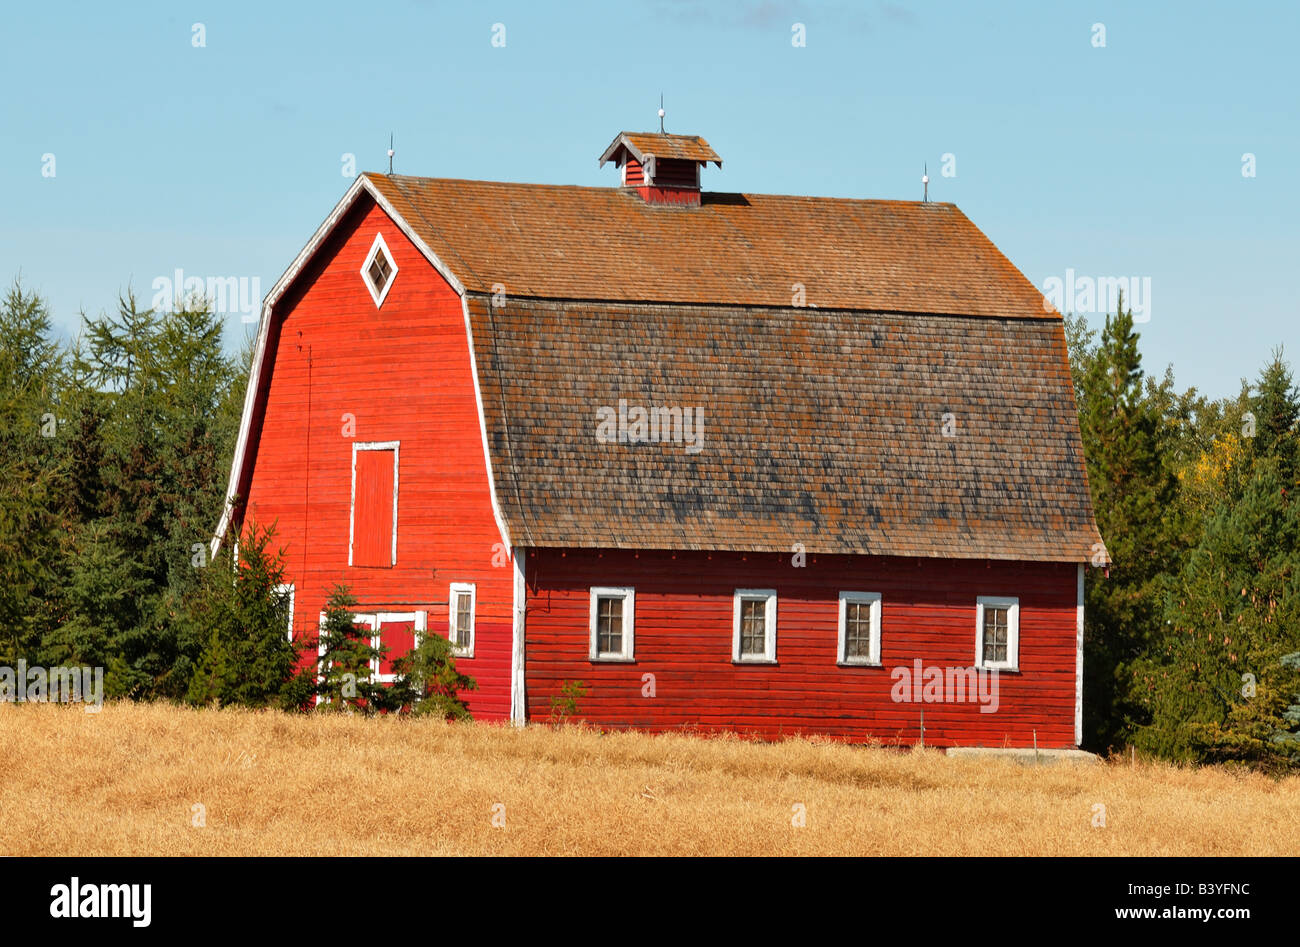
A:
[875, 376]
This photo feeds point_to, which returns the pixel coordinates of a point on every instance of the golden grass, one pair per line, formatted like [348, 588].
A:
[125, 781]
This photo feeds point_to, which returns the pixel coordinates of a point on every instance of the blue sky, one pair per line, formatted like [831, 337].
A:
[1115, 161]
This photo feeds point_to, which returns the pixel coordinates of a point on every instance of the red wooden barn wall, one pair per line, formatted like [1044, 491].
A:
[683, 635]
[403, 371]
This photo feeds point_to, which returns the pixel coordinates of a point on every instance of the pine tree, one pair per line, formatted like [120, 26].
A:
[239, 616]
[1133, 492]
[347, 658]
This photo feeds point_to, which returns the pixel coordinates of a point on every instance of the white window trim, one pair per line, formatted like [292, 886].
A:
[769, 642]
[381, 618]
[382, 294]
[872, 659]
[456, 590]
[628, 595]
[289, 589]
[395, 447]
[1012, 605]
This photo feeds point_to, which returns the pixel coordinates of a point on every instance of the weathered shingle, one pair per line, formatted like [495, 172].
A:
[821, 427]
[734, 249]
[662, 145]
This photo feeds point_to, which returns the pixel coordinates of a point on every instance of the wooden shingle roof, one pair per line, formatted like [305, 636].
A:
[642, 145]
[734, 249]
[825, 428]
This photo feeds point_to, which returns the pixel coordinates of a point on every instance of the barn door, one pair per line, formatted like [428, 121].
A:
[374, 505]
[399, 631]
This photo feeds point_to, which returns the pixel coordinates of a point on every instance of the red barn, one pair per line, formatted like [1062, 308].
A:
[733, 461]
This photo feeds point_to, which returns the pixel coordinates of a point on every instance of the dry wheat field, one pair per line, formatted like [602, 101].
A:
[139, 779]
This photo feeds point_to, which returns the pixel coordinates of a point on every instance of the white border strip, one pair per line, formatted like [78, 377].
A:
[1078, 663]
[518, 704]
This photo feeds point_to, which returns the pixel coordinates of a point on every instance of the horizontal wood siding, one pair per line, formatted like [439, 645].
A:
[683, 636]
[399, 373]
[634, 174]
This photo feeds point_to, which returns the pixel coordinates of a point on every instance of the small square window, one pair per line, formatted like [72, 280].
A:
[859, 628]
[754, 627]
[997, 633]
[461, 619]
[379, 270]
[612, 624]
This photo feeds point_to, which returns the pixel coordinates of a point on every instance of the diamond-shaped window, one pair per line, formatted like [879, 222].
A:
[379, 270]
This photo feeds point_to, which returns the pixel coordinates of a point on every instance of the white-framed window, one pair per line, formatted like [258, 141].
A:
[859, 628]
[401, 631]
[288, 591]
[460, 615]
[753, 637]
[372, 519]
[379, 270]
[613, 614]
[997, 632]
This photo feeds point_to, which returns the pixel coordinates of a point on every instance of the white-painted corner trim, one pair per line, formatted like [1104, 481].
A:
[482, 426]
[240, 458]
[518, 704]
[379, 295]
[1078, 662]
[396, 448]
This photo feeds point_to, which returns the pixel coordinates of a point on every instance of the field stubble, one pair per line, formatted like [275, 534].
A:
[136, 779]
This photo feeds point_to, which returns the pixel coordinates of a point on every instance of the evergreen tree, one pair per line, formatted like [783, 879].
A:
[31, 485]
[348, 654]
[1133, 494]
[239, 615]
[1221, 682]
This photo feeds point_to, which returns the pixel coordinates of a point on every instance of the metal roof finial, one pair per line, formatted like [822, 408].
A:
[925, 182]
[390, 152]
[661, 113]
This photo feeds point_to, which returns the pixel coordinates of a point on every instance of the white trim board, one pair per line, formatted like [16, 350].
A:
[1078, 661]
[518, 702]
